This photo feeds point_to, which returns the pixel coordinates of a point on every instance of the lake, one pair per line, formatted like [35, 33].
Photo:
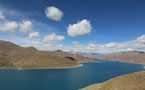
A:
[64, 79]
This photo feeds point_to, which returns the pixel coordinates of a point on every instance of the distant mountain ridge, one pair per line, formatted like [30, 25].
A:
[12, 55]
[126, 56]
[85, 54]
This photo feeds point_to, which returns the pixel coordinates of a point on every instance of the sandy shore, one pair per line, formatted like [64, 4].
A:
[67, 67]
[80, 65]
[52, 67]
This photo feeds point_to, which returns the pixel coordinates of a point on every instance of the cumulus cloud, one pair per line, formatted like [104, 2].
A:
[2, 16]
[81, 28]
[26, 26]
[34, 36]
[52, 38]
[138, 44]
[6, 25]
[9, 26]
[53, 13]
[141, 39]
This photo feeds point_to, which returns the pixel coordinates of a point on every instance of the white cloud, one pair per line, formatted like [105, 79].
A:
[100, 48]
[138, 44]
[52, 38]
[9, 26]
[81, 28]
[53, 13]
[2, 16]
[26, 26]
[141, 38]
[111, 45]
[6, 25]
[34, 36]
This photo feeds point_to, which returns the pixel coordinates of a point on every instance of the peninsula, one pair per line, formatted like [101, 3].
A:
[14, 56]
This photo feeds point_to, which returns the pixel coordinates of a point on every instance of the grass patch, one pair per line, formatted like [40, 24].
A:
[5, 64]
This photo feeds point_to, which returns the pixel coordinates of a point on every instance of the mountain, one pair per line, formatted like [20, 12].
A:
[14, 56]
[128, 56]
[134, 81]
[86, 54]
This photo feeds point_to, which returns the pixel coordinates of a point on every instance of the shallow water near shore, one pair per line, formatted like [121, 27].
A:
[64, 79]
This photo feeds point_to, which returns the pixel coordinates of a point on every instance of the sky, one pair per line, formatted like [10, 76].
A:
[91, 26]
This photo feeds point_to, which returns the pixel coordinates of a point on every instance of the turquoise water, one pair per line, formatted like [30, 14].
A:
[64, 79]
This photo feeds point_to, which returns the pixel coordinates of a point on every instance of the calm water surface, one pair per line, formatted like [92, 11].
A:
[64, 79]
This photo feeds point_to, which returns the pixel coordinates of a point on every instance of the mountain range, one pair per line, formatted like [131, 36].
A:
[15, 56]
[126, 56]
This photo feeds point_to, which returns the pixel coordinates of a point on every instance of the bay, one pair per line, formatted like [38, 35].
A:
[65, 79]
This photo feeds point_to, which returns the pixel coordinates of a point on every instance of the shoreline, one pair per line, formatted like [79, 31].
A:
[91, 62]
[98, 86]
[123, 62]
[69, 67]
[143, 66]
[72, 67]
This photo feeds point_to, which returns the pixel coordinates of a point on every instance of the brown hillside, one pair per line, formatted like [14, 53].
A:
[134, 81]
[30, 58]
[128, 56]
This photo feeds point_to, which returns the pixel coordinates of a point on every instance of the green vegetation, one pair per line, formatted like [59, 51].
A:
[5, 64]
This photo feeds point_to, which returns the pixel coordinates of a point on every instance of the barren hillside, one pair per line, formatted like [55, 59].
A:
[134, 81]
[128, 56]
[12, 55]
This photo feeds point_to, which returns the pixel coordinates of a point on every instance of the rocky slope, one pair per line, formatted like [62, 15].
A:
[12, 55]
[128, 56]
[134, 81]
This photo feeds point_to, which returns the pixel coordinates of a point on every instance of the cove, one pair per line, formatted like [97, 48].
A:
[64, 79]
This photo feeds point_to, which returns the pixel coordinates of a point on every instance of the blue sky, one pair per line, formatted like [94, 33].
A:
[110, 21]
